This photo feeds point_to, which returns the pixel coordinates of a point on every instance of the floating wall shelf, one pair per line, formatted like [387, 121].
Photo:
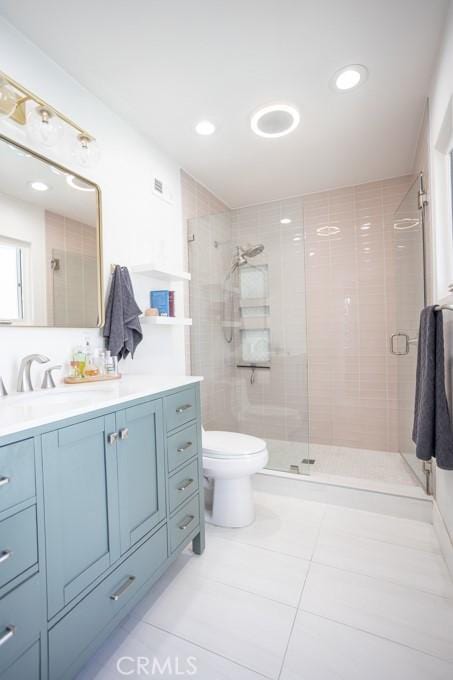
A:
[154, 273]
[166, 320]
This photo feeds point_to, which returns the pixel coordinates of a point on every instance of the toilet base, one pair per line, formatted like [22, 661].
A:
[232, 503]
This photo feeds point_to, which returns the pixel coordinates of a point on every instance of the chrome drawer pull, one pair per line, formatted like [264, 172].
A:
[4, 481]
[187, 521]
[181, 409]
[10, 631]
[185, 484]
[5, 555]
[184, 448]
[112, 437]
[116, 596]
[124, 433]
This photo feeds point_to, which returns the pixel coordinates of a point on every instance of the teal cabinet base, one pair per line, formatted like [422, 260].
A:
[97, 509]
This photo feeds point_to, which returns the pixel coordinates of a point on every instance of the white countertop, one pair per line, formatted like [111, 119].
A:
[19, 412]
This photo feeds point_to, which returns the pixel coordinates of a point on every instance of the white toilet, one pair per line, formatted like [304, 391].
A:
[229, 461]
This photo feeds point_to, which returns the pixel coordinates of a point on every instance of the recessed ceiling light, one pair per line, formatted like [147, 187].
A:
[78, 184]
[285, 220]
[275, 121]
[205, 127]
[349, 77]
[39, 186]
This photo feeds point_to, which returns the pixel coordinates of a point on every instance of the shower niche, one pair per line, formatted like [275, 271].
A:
[254, 316]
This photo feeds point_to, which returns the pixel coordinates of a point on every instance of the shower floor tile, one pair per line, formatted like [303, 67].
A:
[340, 462]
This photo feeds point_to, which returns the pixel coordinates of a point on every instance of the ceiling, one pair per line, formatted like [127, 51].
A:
[166, 64]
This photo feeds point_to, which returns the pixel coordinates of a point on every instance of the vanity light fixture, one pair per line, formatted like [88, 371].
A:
[44, 122]
[39, 186]
[285, 220]
[349, 77]
[205, 128]
[44, 126]
[276, 120]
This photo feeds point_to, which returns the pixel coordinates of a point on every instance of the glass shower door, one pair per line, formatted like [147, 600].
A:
[409, 271]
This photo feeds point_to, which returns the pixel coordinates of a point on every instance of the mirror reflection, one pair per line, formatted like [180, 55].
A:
[50, 271]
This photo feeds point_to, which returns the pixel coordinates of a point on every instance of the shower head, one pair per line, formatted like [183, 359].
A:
[252, 251]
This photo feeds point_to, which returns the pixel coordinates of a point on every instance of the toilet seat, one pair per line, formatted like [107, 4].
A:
[217, 444]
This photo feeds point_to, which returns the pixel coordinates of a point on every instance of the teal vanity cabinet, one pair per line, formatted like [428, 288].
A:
[95, 509]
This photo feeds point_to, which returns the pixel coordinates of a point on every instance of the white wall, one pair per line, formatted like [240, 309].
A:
[441, 127]
[136, 224]
[25, 222]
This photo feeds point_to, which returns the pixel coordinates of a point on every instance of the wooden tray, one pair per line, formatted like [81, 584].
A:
[91, 378]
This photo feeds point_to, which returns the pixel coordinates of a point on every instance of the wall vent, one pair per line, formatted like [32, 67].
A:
[162, 190]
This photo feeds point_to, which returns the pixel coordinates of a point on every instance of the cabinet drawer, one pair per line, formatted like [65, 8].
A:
[26, 667]
[20, 620]
[17, 473]
[71, 635]
[180, 408]
[18, 544]
[185, 520]
[182, 446]
[183, 484]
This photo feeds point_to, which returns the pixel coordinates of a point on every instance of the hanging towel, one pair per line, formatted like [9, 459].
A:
[122, 328]
[432, 432]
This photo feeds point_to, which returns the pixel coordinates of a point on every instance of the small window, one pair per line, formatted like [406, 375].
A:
[11, 281]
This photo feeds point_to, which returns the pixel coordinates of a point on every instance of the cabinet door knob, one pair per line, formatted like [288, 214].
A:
[112, 437]
[183, 408]
[186, 446]
[7, 634]
[185, 484]
[124, 433]
[5, 555]
[4, 481]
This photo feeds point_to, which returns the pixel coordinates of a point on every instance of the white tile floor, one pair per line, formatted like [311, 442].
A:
[309, 592]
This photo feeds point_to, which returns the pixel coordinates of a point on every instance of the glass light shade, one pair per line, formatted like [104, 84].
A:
[44, 126]
[86, 151]
[7, 100]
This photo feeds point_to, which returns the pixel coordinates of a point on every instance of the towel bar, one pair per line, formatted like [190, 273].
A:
[439, 308]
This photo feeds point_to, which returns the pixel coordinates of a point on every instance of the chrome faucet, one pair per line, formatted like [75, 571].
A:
[48, 380]
[24, 383]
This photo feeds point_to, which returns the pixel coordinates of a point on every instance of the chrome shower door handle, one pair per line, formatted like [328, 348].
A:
[408, 341]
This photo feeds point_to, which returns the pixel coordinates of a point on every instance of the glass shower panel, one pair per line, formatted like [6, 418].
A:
[248, 337]
[408, 260]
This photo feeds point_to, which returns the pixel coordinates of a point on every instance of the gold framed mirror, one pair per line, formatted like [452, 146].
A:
[50, 243]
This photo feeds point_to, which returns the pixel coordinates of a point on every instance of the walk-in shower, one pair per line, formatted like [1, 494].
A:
[292, 333]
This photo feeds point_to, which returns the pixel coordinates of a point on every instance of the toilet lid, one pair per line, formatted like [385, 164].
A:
[230, 444]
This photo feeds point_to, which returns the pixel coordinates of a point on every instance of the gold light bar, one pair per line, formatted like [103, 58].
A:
[23, 95]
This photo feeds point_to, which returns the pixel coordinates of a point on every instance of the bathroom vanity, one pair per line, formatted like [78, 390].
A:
[100, 489]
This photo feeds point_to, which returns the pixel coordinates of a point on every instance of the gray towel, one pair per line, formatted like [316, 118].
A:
[122, 328]
[432, 432]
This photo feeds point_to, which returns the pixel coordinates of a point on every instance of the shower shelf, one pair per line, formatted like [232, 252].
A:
[154, 273]
[166, 320]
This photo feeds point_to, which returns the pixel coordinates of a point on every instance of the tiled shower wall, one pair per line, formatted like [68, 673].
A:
[332, 292]
[275, 406]
[351, 313]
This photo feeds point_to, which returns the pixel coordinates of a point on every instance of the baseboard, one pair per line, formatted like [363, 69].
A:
[443, 537]
[394, 504]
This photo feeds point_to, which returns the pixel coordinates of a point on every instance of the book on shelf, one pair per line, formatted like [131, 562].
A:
[163, 301]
